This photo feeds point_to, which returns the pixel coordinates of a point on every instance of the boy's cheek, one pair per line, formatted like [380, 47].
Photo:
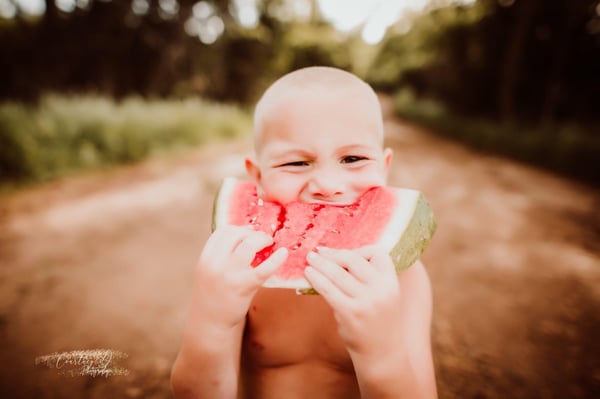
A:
[282, 189]
[373, 176]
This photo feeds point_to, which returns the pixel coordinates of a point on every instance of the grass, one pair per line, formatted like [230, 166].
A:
[569, 149]
[63, 134]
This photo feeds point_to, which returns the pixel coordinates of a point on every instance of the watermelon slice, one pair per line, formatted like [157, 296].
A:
[398, 219]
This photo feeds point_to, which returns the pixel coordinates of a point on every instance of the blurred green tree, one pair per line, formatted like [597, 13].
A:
[159, 48]
[509, 60]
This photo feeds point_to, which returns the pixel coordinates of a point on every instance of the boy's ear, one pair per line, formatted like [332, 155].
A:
[387, 158]
[253, 170]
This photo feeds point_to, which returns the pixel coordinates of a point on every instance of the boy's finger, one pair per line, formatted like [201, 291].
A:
[377, 257]
[325, 287]
[270, 265]
[223, 240]
[352, 261]
[334, 269]
[247, 248]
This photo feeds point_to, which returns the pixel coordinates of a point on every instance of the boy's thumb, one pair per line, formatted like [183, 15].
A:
[271, 264]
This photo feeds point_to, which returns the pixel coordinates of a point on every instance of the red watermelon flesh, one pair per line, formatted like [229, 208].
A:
[300, 227]
[377, 217]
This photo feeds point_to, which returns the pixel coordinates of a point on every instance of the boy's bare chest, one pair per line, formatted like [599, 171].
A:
[285, 329]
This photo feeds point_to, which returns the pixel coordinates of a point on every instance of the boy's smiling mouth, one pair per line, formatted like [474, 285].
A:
[341, 199]
[332, 201]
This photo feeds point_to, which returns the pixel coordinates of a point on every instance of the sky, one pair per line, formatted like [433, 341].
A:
[376, 15]
[373, 17]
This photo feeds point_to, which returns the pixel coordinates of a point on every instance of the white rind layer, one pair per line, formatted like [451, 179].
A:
[221, 212]
[407, 201]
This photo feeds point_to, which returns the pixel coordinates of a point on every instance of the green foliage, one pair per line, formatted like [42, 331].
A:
[568, 148]
[306, 44]
[517, 80]
[63, 134]
[309, 45]
[530, 61]
[431, 52]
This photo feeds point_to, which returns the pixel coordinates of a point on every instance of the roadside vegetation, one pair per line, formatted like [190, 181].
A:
[62, 134]
[567, 148]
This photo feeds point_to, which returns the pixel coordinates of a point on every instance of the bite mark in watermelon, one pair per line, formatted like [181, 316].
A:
[398, 219]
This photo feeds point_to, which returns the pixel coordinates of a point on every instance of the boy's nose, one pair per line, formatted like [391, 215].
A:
[326, 186]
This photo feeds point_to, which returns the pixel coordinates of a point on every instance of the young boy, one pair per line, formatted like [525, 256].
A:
[318, 138]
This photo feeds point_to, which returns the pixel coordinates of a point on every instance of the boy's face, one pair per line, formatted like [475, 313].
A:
[320, 148]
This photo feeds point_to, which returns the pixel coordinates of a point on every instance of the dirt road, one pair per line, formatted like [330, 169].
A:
[105, 261]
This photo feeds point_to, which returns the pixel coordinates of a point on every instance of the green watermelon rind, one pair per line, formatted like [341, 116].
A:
[416, 236]
[413, 222]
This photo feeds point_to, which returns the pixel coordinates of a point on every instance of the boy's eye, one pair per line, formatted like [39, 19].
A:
[295, 163]
[352, 159]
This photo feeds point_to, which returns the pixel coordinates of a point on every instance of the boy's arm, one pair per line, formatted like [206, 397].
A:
[207, 365]
[384, 319]
[408, 367]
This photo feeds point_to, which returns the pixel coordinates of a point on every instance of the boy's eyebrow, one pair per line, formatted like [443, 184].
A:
[277, 154]
[353, 147]
[283, 152]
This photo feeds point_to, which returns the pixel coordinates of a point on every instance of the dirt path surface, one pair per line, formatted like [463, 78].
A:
[105, 261]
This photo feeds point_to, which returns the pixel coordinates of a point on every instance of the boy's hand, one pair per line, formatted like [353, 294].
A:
[362, 288]
[225, 280]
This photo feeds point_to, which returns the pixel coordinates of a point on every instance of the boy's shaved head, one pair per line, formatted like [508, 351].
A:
[318, 84]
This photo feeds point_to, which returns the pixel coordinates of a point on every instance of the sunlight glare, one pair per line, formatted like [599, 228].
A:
[32, 7]
[374, 17]
[205, 23]
[245, 12]
[66, 5]
[203, 10]
[140, 7]
[168, 8]
[212, 30]
[7, 9]
[347, 16]
[290, 10]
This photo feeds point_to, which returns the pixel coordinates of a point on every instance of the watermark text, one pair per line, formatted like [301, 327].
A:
[92, 362]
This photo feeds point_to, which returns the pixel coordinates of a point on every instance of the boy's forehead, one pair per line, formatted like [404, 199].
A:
[350, 99]
[297, 102]
[297, 88]
[313, 81]
[319, 108]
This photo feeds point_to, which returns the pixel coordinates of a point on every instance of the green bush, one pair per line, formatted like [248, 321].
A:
[570, 149]
[62, 134]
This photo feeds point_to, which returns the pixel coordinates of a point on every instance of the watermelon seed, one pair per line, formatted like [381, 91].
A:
[260, 202]
[296, 246]
[273, 227]
[253, 220]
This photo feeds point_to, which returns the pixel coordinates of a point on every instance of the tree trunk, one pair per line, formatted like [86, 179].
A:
[515, 49]
[576, 16]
